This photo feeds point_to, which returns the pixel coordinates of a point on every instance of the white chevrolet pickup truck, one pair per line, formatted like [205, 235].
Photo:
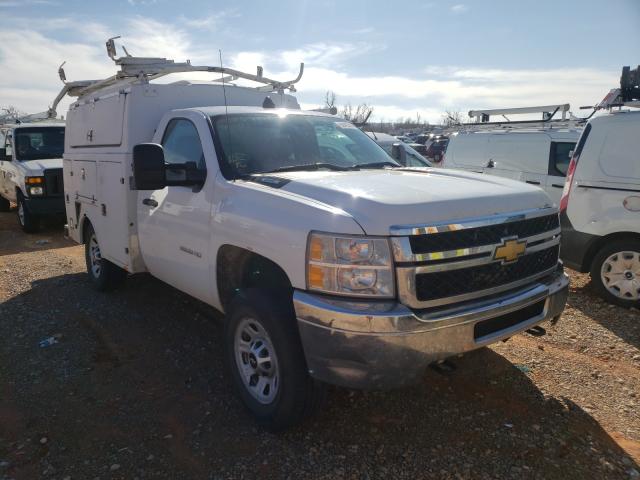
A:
[31, 171]
[332, 263]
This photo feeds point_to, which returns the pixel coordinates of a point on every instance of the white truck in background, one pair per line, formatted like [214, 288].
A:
[532, 151]
[31, 171]
[333, 263]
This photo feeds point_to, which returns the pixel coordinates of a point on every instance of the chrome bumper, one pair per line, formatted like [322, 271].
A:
[384, 345]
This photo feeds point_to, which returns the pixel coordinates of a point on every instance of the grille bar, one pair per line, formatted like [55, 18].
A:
[481, 236]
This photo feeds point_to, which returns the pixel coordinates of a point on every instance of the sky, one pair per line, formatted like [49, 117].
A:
[404, 58]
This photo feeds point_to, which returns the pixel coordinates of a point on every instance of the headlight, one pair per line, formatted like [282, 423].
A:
[353, 266]
[35, 185]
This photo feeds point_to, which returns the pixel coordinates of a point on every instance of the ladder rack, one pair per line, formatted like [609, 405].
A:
[547, 121]
[145, 69]
[548, 111]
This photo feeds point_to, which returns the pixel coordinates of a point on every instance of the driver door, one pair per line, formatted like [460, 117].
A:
[174, 222]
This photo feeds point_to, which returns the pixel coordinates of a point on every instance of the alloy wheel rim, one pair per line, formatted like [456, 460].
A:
[620, 274]
[95, 257]
[256, 361]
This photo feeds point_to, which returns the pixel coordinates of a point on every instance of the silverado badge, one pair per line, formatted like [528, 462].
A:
[510, 250]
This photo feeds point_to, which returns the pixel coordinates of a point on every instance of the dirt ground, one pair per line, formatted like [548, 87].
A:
[135, 388]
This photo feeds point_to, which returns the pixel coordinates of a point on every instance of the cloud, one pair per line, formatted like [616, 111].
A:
[32, 49]
[459, 8]
[211, 22]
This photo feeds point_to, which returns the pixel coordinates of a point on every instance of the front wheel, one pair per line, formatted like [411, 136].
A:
[104, 275]
[266, 361]
[29, 222]
[616, 273]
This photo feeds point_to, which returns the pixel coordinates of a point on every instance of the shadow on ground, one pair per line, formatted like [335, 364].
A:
[137, 380]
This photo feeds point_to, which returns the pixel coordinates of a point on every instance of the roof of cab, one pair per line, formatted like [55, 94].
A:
[222, 110]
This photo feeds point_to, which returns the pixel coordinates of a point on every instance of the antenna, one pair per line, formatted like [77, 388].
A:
[226, 106]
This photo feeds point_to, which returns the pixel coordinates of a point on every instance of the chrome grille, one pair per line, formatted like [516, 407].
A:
[444, 264]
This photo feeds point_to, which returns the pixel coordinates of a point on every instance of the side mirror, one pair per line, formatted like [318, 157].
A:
[570, 153]
[3, 154]
[149, 172]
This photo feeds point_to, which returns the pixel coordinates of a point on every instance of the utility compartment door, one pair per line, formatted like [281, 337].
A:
[98, 122]
[84, 180]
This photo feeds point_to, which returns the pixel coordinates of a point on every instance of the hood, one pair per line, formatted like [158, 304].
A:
[36, 167]
[379, 199]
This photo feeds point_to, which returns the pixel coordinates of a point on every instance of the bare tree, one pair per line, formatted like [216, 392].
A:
[451, 118]
[11, 112]
[330, 99]
[358, 115]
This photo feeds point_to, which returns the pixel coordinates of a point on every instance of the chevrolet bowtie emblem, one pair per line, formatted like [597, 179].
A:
[510, 250]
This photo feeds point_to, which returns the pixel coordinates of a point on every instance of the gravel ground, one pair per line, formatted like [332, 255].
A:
[135, 388]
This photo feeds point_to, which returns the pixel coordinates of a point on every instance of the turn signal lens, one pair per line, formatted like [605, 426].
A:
[33, 180]
[316, 277]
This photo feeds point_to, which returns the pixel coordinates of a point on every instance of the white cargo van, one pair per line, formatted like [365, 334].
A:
[333, 263]
[600, 207]
[538, 158]
[31, 171]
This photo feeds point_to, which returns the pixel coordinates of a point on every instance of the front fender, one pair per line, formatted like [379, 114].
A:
[272, 223]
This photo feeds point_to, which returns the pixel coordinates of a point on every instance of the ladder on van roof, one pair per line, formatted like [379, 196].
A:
[483, 119]
[145, 69]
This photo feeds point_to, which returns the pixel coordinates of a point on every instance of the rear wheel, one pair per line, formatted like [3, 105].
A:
[104, 275]
[616, 273]
[266, 361]
[5, 206]
[29, 222]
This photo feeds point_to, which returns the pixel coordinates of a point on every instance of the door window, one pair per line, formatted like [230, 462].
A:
[559, 158]
[182, 145]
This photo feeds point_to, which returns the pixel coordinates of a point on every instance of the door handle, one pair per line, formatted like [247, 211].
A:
[150, 201]
[533, 182]
[557, 186]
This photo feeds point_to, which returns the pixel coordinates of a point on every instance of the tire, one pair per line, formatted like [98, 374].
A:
[5, 205]
[261, 325]
[29, 222]
[623, 287]
[104, 275]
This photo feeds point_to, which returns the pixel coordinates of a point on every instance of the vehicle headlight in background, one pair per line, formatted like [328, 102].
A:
[350, 265]
[35, 185]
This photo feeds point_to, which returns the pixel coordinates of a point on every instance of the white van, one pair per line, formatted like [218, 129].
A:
[538, 157]
[600, 207]
[31, 171]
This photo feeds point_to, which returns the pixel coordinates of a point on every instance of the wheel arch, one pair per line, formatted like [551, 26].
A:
[603, 241]
[238, 268]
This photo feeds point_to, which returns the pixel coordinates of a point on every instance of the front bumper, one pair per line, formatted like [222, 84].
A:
[45, 205]
[373, 345]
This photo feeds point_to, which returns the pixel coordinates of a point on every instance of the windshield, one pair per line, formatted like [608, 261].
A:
[37, 143]
[263, 142]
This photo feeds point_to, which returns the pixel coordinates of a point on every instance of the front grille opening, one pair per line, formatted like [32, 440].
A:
[489, 235]
[493, 325]
[53, 181]
[449, 283]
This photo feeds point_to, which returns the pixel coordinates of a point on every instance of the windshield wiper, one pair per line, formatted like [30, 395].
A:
[311, 166]
[374, 165]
